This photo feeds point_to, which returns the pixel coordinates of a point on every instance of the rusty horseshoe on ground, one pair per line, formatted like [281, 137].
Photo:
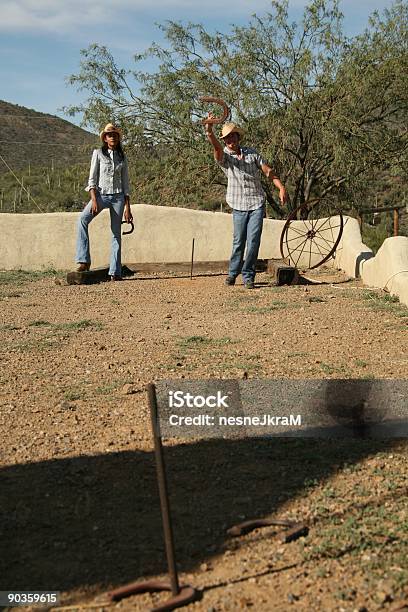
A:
[219, 101]
[295, 531]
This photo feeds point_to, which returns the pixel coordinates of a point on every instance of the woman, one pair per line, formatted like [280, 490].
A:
[108, 185]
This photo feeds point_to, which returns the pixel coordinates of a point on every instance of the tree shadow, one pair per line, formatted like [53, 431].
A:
[93, 522]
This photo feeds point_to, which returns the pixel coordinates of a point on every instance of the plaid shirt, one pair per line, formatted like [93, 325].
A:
[244, 189]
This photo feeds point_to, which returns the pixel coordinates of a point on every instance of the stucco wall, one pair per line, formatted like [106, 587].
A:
[389, 268]
[164, 234]
[351, 251]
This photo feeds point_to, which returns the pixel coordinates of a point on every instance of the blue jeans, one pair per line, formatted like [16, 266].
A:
[116, 203]
[247, 231]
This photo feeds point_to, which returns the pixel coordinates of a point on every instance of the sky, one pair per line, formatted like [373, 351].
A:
[40, 40]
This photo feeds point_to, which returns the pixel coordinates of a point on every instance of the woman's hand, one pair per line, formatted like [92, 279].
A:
[127, 212]
[94, 206]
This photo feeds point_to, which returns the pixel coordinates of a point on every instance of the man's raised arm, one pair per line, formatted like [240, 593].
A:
[218, 150]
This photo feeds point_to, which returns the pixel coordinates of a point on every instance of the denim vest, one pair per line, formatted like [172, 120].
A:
[108, 176]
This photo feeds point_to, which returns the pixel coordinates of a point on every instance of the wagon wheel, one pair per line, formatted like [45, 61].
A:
[311, 234]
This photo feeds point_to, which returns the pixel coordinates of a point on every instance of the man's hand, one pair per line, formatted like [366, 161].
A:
[209, 126]
[218, 151]
[283, 195]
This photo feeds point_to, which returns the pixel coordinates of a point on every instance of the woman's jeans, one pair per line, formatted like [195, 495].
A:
[116, 203]
[247, 230]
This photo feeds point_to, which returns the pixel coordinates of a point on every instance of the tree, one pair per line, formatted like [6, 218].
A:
[370, 129]
[326, 111]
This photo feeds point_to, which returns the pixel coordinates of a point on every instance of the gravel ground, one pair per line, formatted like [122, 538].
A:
[79, 508]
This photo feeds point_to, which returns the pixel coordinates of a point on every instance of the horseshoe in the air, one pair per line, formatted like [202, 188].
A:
[219, 101]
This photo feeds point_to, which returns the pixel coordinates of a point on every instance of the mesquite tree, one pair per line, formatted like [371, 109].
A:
[329, 113]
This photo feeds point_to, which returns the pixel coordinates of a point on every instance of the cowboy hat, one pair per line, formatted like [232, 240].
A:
[229, 128]
[110, 128]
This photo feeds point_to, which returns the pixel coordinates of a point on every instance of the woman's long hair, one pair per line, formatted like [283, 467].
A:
[118, 149]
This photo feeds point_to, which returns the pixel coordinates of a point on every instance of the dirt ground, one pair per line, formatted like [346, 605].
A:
[79, 509]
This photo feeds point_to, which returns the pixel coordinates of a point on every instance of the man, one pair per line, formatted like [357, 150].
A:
[245, 196]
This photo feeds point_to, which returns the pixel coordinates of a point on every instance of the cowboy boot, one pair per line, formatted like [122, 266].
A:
[83, 267]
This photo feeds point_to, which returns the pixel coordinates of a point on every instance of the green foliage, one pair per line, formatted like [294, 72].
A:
[39, 189]
[20, 277]
[385, 303]
[329, 113]
[374, 236]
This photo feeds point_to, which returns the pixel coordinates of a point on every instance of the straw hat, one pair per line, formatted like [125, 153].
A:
[229, 128]
[110, 128]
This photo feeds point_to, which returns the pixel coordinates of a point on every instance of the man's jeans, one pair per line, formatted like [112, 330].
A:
[247, 230]
[116, 203]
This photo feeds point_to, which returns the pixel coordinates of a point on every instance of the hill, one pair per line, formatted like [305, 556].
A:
[44, 161]
[39, 139]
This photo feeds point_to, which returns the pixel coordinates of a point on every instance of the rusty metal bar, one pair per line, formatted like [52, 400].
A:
[183, 594]
[192, 260]
[381, 209]
[164, 498]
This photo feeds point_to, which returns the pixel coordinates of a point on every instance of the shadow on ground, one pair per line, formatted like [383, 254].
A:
[93, 522]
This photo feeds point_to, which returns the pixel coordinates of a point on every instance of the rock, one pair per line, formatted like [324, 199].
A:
[384, 593]
[383, 597]
[292, 598]
[65, 405]
[128, 389]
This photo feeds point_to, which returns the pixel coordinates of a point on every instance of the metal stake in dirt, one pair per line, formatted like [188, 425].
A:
[192, 260]
[181, 595]
[164, 497]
